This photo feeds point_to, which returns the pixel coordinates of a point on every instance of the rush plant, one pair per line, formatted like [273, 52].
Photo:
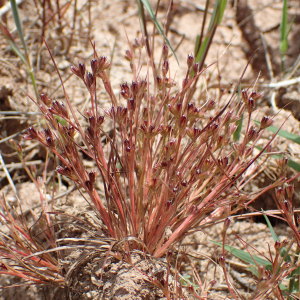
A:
[169, 163]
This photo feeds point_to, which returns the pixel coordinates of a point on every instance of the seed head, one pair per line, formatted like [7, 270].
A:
[255, 95]
[92, 176]
[159, 83]
[50, 142]
[287, 207]
[98, 65]
[282, 163]
[223, 162]
[191, 106]
[90, 82]
[32, 134]
[226, 224]
[92, 121]
[76, 71]
[45, 99]
[190, 60]
[81, 68]
[131, 104]
[290, 191]
[103, 64]
[70, 131]
[228, 116]
[265, 122]
[138, 43]
[89, 185]
[245, 96]
[94, 66]
[277, 246]
[251, 105]
[121, 114]
[129, 55]
[222, 261]
[64, 111]
[134, 88]
[195, 68]
[195, 132]
[210, 105]
[165, 68]
[182, 123]
[165, 52]
[279, 192]
[252, 134]
[232, 128]
[169, 82]
[125, 91]
[184, 183]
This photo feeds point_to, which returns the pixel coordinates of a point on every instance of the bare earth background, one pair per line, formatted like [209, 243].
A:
[245, 24]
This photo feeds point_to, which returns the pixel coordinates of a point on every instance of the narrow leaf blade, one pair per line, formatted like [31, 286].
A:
[245, 256]
[12, 43]
[274, 235]
[290, 136]
[158, 26]
[15, 11]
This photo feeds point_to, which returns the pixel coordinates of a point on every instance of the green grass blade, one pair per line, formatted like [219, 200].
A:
[186, 282]
[25, 59]
[222, 10]
[239, 123]
[253, 270]
[218, 13]
[197, 44]
[253, 261]
[274, 235]
[237, 133]
[32, 77]
[15, 11]
[245, 256]
[283, 29]
[157, 24]
[215, 20]
[140, 8]
[294, 287]
[290, 26]
[294, 165]
[203, 48]
[290, 136]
